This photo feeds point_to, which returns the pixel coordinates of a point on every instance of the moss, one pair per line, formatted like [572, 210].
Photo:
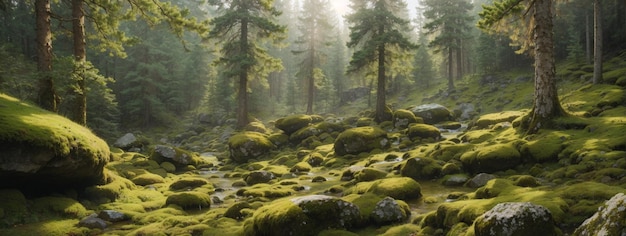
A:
[248, 145]
[13, 204]
[168, 166]
[60, 205]
[485, 121]
[110, 191]
[423, 131]
[545, 147]
[336, 232]
[293, 123]
[256, 126]
[402, 188]
[369, 174]
[48, 227]
[157, 215]
[190, 200]
[147, 179]
[492, 158]
[477, 136]
[450, 168]
[421, 168]
[526, 181]
[267, 191]
[301, 167]
[405, 229]
[188, 183]
[361, 139]
[446, 151]
[235, 210]
[402, 118]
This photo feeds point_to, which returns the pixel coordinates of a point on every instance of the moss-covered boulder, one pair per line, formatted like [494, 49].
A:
[293, 123]
[257, 177]
[41, 151]
[423, 131]
[402, 188]
[402, 118]
[190, 200]
[248, 145]
[432, 113]
[487, 120]
[147, 179]
[177, 156]
[307, 215]
[188, 183]
[369, 174]
[609, 220]
[361, 139]
[421, 168]
[515, 219]
[492, 158]
[389, 211]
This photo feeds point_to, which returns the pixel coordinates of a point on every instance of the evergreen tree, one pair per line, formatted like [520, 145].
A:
[47, 97]
[314, 37]
[375, 31]
[450, 21]
[546, 104]
[241, 25]
[423, 66]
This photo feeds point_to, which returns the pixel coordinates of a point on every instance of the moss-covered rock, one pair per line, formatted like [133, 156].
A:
[293, 123]
[361, 139]
[423, 131]
[402, 188]
[190, 200]
[256, 126]
[257, 177]
[306, 215]
[432, 113]
[421, 168]
[42, 151]
[110, 191]
[487, 120]
[515, 219]
[369, 174]
[13, 206]
[147, 179]
[248, 145]
[609, 220]
[188, 183]
[492, 158]
[403, 118]
[388, 211]
[236, 211]
[545, 148]
[177, 156]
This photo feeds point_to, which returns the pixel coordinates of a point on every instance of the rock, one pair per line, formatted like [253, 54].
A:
[403, 188]
[608, 220]
[348, 173]
[388, 211]
[421, 168]
[188, 183]
[257, 177]
[487, 120]
[168, 166]
[318, 179]
[307, 215]
[515, 219]
[496, 157]
[423, 131]
[291, 124]
[41, 151]
[147, 179]
[369, 174]
[112, 216]
[361, 139]
[480, 180]
[235, 210]
[93, 222]
[402, 118]
[126, 142]
[190, 200]
[248, 145]
[455, 180]
[432, 113]
[176, 156]
[465, 111]
[256, 126]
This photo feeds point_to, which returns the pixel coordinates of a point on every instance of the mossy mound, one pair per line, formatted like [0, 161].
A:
[293, 123]
[609, 220]
[306, 215]
[179, 157]
[487, 120]
[403, 118]
[423, 131]
[492, 158]
[515, 219]
[147, 179]
[361, 139]
[248, 145]
[256, 126]
[421, 168]
[64, 206]
[432, 113]
[110, 191]
[402, 188]
[369, 174]
[13, 207]
[188, 183]
[546, 147]
[190, 200]
[43, 151]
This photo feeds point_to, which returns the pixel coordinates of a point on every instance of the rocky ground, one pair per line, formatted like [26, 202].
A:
[450, 169]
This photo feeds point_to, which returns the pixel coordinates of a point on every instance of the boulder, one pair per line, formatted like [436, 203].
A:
[176, 156]
[609, 220]
[127, 141]
[42, 151]
[257, 177]
[455, 180]
[403, 188]
[293, 123]
[432, 113]
[515, 219]
[402, 118]
[361, 139]
[423, 131]
[248, 145]
[480, 180]
[421, 168]
[497, 157]
[112, 216]
[388, 211]
[307, 215]
[465, 111]
[190, 200]
[93, 222]
[487, 120]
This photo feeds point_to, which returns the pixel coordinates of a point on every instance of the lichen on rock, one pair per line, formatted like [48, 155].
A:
[515, 219]
[609, 220]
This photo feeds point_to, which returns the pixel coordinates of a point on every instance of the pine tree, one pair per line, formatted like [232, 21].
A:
[376, 32]
[241, 25]
[47, 98]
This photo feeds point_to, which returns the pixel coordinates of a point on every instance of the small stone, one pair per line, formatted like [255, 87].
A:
[93, 222]
[112, 216]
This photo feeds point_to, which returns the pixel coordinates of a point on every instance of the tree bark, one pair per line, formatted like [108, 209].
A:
[546, 104]
[47, 97]
[588, 37]
[242, 96]
[80, 57]
[597, 45]
[450, 70]
[311, 80]
[381, 105]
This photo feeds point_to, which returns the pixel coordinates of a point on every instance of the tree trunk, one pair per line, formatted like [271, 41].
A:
[450, 71]
[311, 81]
[588, 37]
[459, 60]
[80, 55]
[242, 96]
[546, 104]
[47, 98]
[381, 105]
[597, 35]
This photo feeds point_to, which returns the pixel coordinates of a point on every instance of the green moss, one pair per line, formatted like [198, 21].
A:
[405, 229]
[402, 118]
[235, 210]
[13, 204]
[366, 203]
[421, 168]
[168, 166]
[492, 158]
[336, 232]
[402, 188]
[301, 167]
[49, 227]
[446, 151]
[361, 139]
[545, 147]
[423, 131]
[248, 145]
[487, 120]
[526, 181]
[477, 136]
[60, 205]
[190, 200]
[110, 191]
[147, 179]
[267, 191]
[293, 123]
[188, 183]
[369, 174]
